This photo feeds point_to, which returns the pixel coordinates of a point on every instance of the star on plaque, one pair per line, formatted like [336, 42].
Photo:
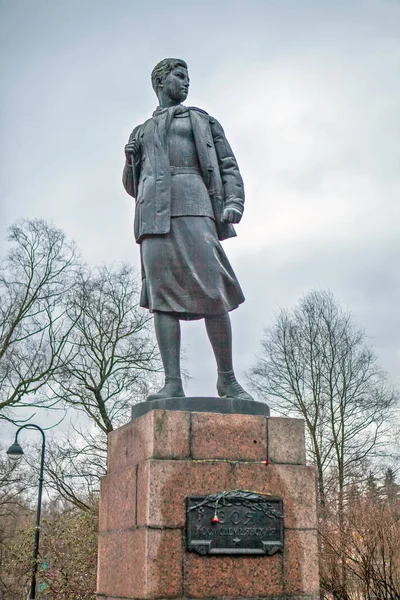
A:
[236, 541]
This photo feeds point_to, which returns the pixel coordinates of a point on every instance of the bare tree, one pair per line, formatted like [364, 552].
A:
[34, 277]
[370, 544]
[70, 337]
[111, 362]
[13, 484]
[316, 364]
[75, 463]
[111, 353]
[13, 510]
[68, 553]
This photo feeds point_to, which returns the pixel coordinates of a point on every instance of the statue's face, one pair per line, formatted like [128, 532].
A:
[176, 84]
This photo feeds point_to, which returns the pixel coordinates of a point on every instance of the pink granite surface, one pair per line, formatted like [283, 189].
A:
[232, 576]
[273, 597]
[157, 434]
[163, 486]
[122, 563]
[169, 431]
[301, 570]
[118, 500]
[294, 484]
[232, 437]
[166, 456]
[164, 563]
[140, 563]
[286, 439]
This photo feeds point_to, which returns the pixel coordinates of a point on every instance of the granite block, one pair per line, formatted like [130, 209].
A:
[170, 433]
[295, 484]
[140, 563]
[301, 566]
[164, 563]
[286, 441]
[118, 500]
[120, 444]
[165, 456]
[163, 486]
[158, 434]
[122, 564]
[232, 576]
[268, 597]
[229, 437]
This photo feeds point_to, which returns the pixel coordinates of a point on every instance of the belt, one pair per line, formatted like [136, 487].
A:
[184, 170]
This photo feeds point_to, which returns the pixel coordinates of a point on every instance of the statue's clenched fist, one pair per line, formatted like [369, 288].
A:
[131, 150]
[231, 215]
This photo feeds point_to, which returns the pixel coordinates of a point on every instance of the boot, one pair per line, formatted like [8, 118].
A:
[172, 389]
[228, 387]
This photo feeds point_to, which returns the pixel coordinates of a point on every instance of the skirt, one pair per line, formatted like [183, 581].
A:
[186, 271]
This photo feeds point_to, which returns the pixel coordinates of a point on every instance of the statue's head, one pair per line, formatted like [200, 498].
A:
[170, 77]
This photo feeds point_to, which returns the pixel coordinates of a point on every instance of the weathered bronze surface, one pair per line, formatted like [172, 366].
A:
[203, 404]
[236, 522]
[189, 195]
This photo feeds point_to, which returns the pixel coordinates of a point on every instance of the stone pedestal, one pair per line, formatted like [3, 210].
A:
[164, 456]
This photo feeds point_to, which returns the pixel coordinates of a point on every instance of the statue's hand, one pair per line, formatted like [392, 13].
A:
[231, 215]
[131, 150]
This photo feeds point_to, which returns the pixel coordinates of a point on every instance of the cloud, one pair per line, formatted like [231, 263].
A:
[308, 94]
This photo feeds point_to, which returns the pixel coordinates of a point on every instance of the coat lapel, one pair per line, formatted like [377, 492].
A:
[147, 134]
[201, 134]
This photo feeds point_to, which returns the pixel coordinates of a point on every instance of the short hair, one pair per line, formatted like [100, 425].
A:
[162, 69]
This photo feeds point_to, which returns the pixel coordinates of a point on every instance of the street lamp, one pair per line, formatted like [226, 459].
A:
[15, 452]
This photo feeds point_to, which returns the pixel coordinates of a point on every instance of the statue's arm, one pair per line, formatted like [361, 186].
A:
[229, 170]
[132, 164]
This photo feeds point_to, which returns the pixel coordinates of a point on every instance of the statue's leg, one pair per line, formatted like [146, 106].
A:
[220, 335]
[168, 333]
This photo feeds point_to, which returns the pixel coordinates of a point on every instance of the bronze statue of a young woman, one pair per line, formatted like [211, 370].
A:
[189, 193]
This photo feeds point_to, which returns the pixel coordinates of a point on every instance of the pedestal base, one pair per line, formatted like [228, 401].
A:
[202, 404]
[157, 461]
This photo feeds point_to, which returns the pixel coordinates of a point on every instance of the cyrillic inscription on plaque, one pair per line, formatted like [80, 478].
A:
[234, 522]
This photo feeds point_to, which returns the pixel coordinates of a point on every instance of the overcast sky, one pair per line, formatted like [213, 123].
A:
[308, 92]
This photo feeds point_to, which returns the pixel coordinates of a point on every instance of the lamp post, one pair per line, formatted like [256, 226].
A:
[15, 452]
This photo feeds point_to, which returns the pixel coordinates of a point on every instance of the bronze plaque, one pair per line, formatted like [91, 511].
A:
[234, 522]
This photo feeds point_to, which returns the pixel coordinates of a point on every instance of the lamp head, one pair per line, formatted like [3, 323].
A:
[15, 451]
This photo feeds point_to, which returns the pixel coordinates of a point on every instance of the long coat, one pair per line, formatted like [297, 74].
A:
[151, 187]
